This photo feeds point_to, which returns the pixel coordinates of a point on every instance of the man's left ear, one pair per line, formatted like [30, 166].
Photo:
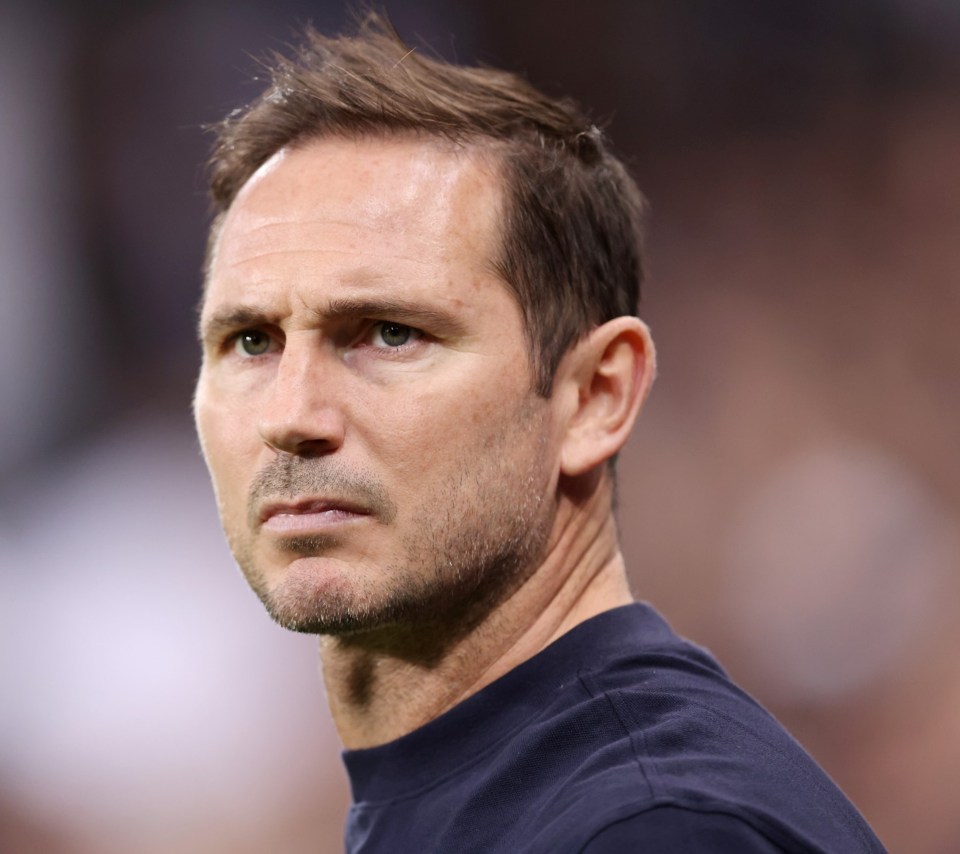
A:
[611, 371]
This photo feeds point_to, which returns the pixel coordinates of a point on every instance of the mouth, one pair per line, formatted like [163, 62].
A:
[310, 515]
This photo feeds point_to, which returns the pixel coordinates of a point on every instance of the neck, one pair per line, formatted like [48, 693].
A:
[386, 683]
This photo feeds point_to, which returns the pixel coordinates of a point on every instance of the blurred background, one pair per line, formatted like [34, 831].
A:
[791, 498]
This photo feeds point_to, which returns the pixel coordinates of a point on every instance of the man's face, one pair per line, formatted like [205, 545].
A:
[365, 403]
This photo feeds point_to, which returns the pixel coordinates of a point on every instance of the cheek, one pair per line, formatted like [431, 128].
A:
[227, 449]
[428, 434]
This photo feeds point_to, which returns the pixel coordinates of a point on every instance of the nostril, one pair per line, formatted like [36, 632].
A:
[312, 449]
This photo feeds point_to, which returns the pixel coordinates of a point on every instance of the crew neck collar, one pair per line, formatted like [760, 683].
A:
[463, 734]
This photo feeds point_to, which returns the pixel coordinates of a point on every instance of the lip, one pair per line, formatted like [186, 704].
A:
[311, 514]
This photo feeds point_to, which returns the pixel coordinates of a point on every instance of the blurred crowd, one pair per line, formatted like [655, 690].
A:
[791, 498]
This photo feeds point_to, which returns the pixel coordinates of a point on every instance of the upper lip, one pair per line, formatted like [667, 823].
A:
[308, 505]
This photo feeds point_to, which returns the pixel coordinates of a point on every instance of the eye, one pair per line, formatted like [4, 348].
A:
[253, 343]
[388, 334]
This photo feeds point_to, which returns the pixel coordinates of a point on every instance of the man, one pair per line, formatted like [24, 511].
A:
[421, 356]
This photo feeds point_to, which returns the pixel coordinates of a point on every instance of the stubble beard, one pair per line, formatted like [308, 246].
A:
[477, 540]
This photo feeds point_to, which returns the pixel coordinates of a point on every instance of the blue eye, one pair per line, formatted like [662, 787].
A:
[253, 343]
[394, 334]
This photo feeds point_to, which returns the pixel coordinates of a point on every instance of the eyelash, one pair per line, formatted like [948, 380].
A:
[234, 342]
[412, 334]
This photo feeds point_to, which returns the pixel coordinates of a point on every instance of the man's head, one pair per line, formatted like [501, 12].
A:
[384, 447]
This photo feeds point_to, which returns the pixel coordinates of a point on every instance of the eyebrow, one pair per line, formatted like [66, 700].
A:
[229, 320]
[408, 312]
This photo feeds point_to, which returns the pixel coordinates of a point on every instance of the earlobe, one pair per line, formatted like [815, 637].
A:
[613, 369]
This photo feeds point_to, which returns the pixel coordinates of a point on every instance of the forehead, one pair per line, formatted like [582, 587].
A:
[358, 202]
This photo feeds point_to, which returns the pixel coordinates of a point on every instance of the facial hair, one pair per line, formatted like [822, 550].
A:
[470, 544]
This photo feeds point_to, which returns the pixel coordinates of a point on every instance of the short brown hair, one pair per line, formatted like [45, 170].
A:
[571, 244]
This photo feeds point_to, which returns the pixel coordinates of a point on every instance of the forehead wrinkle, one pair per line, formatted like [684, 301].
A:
[246, 246]
[280, 229]
[266, 224]
[289, 253]
[464, 179]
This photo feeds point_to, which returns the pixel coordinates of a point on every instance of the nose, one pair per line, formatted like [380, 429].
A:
[299, 415]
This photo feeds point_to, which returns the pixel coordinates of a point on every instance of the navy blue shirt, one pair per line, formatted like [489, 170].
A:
[618, 737]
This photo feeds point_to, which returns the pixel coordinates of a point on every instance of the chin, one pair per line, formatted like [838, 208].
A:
[312, 596]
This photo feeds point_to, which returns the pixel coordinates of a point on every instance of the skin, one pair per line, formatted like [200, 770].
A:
[385, 473]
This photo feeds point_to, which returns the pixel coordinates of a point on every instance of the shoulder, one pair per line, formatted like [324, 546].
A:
[676, 828]
[681, 752]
